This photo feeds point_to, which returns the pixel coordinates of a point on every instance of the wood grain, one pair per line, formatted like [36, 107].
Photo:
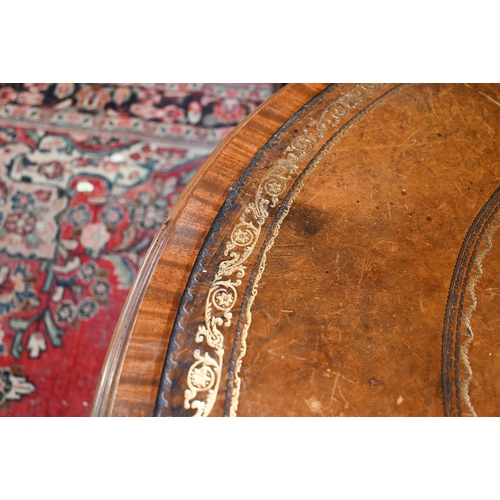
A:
[131, 374]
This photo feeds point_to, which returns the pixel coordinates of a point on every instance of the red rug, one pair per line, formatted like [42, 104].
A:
[87, 175]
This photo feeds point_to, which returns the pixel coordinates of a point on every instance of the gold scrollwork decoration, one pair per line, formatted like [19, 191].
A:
[203, 379]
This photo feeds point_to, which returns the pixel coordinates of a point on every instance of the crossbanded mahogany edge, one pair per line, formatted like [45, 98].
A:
[132, 370]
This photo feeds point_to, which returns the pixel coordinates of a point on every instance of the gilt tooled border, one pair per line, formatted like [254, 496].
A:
[232, 393]
[205, 374]
[204, 254]
[206, 367]
[454, 350]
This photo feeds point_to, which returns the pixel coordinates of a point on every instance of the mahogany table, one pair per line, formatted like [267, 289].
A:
[337, 255]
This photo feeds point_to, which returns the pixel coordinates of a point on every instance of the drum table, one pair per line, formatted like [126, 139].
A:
[337, 255]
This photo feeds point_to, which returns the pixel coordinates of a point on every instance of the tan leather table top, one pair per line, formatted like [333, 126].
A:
[338, 255]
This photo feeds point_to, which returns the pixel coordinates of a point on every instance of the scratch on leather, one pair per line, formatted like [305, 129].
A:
[204, 375]
[287, 204]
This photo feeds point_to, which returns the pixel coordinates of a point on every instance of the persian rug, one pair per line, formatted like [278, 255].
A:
[88, 172]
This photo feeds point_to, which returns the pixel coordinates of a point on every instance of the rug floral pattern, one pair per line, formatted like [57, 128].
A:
[87, 175]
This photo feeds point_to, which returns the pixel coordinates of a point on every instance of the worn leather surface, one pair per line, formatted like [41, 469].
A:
[372, 286]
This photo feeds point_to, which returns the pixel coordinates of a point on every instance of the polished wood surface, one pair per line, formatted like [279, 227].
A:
[132, 371]
[335, 256]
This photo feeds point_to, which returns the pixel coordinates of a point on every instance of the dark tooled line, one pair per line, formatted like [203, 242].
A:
[204, 254]
[450, 375]
[248, 290]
